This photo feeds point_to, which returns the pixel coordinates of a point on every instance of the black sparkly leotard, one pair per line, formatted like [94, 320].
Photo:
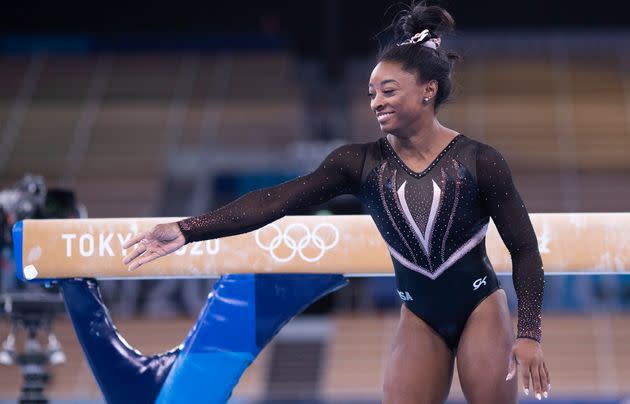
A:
[434, 223]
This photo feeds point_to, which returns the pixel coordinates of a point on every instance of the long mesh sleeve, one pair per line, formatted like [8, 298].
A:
[506, 208]
[339, 173]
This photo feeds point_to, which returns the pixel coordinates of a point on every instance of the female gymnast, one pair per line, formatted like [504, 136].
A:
[431, 192]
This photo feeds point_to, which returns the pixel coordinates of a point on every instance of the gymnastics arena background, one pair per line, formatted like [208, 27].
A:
[173, 109]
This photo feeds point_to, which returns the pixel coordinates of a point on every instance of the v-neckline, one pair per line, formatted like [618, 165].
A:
[430, 166]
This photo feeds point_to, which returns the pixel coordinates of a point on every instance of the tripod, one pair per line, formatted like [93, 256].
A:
[33, 312]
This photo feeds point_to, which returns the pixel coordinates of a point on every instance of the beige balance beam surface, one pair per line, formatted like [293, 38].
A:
[351, 245]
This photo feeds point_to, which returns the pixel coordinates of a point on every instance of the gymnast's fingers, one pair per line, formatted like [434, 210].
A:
[511, 367]
[525, 376]
[134, 253]
[544, 379]
[536, 386]
[134, 240]
[146, 258]
[548, 377]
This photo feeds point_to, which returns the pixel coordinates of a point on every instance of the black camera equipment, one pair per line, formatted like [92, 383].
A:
[25, 200]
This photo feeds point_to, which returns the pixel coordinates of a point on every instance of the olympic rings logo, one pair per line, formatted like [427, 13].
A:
[297, 247]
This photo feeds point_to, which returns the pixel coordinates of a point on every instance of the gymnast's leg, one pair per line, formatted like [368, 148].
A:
[420, 366]
[484, 351]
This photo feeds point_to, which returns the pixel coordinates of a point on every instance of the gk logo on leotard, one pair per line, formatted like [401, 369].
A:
[311, 246]
[481, 281]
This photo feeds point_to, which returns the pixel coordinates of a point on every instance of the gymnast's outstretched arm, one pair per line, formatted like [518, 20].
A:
[505, 206]
[339, 173]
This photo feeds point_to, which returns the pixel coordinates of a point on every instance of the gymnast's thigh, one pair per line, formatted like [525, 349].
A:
[420, 366]
[484, 351]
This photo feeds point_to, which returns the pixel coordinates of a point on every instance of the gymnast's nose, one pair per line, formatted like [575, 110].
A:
[376, 103]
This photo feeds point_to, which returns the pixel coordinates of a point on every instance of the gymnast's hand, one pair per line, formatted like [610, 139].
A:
[528, 354]
[161, 240]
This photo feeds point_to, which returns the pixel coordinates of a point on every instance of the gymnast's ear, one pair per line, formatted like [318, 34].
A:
[430, 90]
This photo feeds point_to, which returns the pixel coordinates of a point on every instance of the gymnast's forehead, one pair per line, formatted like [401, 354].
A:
[387, 72]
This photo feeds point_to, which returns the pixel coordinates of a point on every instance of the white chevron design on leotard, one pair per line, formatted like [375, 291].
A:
[460, 252]
[425, 239]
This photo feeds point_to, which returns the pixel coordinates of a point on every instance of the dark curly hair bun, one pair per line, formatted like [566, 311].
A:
[420, 17]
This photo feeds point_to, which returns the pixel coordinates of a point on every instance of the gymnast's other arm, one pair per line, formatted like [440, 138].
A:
[505, 206]
[339, 173]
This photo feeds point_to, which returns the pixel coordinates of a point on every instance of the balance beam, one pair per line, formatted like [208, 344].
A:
[349, 245]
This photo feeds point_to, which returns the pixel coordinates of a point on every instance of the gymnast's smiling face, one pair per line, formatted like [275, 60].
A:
[396, 97]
